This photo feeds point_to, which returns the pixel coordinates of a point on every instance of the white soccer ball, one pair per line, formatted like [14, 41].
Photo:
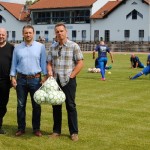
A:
[93, 70]
[98, 70]
[109, 72]
[50, 85]
[40, 96]
[55, 97]
[89, 69]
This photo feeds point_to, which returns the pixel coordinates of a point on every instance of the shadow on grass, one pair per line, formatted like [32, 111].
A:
[11, 130]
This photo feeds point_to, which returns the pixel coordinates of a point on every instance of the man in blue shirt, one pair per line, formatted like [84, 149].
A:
[102, 50]
[29, 61]
[135, 62]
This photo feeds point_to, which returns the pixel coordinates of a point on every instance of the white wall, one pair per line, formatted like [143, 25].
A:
[70, 27]
[11, 24]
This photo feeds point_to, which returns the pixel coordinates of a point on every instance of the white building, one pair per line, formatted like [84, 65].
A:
[127, 20]
[117, 20]
[13, 18]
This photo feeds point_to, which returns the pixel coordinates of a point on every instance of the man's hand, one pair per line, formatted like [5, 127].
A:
[44, 79]
[14, 82]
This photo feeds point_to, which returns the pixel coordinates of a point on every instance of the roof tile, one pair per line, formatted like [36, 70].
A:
[16, 10]
[45, 4]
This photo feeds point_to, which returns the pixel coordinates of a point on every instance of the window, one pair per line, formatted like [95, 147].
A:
[126, 33]
[96, 35]
[46, 36]
[74, 32]
[107, 35]
[1, 19]
[134, 3]
[7, 34]
[13, 35]
[134, 14]
[141, 35]
[37, 35]
[68, 16]
[83, 35]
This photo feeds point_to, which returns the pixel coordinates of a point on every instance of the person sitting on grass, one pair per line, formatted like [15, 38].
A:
[145, 71]
[135, 62]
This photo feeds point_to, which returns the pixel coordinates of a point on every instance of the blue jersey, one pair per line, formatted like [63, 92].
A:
[102, 50]
[135, 60]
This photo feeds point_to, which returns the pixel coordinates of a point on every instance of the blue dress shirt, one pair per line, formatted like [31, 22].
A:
[29, 59]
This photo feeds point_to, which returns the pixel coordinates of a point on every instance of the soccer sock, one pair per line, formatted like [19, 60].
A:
[102, 72]
[136, 76]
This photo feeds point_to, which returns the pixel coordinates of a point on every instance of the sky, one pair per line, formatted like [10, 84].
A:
[15, 1]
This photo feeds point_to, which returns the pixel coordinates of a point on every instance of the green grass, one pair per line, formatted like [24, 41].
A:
[113, 114]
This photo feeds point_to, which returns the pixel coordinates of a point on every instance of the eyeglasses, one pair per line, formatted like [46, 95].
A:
[59, 51]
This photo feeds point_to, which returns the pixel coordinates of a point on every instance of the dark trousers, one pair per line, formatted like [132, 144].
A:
[4, 97]
[70, 91]
[25, 86]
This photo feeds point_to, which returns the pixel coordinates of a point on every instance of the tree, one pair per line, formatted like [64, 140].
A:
[30, 2]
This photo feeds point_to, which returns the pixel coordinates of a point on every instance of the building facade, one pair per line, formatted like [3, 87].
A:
[119, 20]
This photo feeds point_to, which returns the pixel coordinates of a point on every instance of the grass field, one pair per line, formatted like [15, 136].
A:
[113, 114]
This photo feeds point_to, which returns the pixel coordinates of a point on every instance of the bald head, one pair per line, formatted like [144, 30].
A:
[3, 36]
[132, 55]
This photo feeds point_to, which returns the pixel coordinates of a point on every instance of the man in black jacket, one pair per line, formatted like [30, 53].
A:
[6, 50]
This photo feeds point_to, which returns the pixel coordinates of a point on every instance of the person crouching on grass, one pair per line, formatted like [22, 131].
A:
[145, 71]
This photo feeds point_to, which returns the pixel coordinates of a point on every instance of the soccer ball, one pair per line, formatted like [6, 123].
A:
[50, 85]
[109, 72]
[98, 70]
[89, 69]
[40, 96]
[93, 70]
[55, 97]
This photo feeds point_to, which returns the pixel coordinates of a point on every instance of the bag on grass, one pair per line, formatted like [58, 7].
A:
[50, 93]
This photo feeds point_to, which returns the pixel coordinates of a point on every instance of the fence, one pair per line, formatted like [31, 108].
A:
[119, 46]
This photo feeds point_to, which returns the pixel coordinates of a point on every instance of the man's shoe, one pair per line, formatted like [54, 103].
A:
[54, 135]
[2, 131]
[20, 132]
[103, 79]
[37, 133]
[109, 67]
[74, 137]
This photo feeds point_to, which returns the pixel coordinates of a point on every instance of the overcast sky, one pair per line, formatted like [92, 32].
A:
[15, 1]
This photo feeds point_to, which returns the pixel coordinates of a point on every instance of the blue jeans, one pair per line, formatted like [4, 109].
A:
[25, 86]
[102, 64]
[69, 90]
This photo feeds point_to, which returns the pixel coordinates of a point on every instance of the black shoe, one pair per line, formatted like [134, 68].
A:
[2, 131]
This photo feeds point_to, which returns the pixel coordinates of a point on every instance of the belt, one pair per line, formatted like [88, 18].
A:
[38, 75]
